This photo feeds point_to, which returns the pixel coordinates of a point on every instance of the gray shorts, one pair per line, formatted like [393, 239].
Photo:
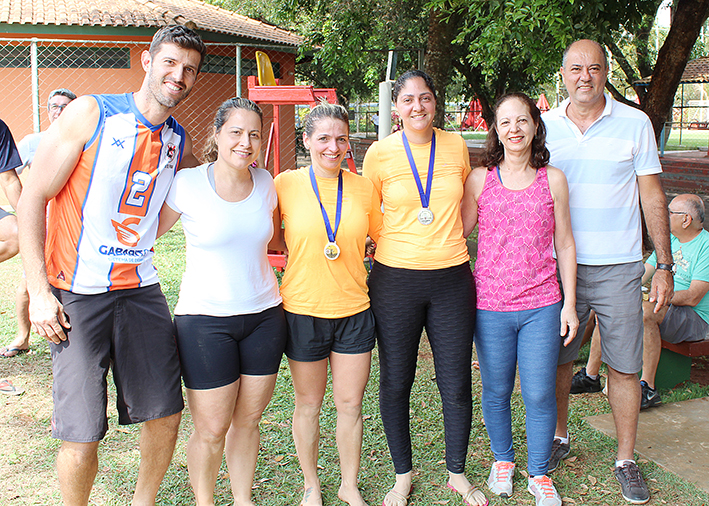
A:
[129, 331]
[614, 293]
[682, 324]
[4, 214]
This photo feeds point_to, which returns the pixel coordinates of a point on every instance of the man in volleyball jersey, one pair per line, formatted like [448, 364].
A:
[107, 164]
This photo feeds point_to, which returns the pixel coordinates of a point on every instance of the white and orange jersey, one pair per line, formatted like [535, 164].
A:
[102, 225]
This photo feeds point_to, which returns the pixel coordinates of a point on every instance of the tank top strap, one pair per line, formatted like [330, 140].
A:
[541, 178]
[491, 180]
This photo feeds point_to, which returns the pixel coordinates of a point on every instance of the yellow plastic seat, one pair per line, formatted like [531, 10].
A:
[264, 70]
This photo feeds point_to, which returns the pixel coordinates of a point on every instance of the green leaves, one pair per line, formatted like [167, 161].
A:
[498, 45]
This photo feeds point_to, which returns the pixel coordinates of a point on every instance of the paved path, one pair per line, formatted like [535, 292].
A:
[675, 436]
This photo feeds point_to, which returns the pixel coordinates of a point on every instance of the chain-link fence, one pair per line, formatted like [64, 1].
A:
[31, 68]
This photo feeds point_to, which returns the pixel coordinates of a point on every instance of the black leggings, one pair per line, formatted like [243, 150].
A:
[405, 301]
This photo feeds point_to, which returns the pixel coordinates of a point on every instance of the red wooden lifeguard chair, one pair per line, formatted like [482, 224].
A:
[267, 91]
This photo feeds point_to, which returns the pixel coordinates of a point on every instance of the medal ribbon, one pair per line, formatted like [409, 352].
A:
[338, 210]
[425, 197]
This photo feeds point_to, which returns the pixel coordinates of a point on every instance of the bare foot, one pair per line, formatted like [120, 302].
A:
[311, 497]
[244, 503]
[351, 496]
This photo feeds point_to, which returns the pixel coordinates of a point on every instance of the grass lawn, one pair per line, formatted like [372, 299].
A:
[691, 139]
[28, 454]
[480, 135]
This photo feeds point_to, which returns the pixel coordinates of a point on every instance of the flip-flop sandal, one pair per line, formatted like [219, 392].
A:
[6, 387]
[9, 352]
[397, 498]
[469, 498]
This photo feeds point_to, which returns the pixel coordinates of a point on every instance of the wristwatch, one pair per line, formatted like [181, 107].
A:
[666, 267]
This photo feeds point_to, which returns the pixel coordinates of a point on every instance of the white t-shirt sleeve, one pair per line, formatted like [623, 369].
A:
[27, 148]
[180, 188]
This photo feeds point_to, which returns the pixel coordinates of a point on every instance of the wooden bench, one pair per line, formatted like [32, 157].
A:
[699, 125]
[676, 362]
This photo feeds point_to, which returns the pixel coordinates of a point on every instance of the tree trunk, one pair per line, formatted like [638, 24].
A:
[439, 55]
[643, 45]
[688, 19]
[475, 79]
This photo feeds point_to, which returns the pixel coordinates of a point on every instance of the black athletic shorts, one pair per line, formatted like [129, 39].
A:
[311, 339]
[216, 350]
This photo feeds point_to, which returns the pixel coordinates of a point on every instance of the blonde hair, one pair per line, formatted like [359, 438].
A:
[325, 110]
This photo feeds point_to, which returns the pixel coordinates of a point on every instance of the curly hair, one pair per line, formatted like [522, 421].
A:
[494, 150]
[211, 149]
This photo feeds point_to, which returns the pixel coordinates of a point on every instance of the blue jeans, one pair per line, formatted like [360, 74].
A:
[531, 340]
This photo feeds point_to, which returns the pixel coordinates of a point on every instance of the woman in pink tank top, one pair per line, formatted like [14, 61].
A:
[521, 206]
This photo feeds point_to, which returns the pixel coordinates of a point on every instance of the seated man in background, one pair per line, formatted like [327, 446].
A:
[685, 319]
[56, 102]
[687, 316]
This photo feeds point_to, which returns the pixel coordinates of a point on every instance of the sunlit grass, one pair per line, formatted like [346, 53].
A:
[28, 455]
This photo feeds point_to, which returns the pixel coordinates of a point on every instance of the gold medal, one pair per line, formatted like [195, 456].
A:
[332, 251]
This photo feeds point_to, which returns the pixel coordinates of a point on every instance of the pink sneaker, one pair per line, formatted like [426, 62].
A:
[543, 491]
[500, 480]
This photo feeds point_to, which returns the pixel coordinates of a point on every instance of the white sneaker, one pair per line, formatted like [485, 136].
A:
[543, 491]
[500, 480]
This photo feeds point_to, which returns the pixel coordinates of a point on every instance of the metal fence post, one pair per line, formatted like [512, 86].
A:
[238, 71]
[35, 85]
[384, 109]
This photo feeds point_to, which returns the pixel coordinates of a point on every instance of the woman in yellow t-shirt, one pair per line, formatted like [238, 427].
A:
[422, 279]
[327, 214]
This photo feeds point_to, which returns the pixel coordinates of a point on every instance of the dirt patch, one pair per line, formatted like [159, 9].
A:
[700, 371]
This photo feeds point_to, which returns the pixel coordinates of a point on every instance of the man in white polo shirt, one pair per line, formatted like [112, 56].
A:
[608, 152]
[56, 102]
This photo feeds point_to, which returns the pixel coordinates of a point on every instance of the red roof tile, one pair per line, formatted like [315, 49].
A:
[696, 71]
[142, 13]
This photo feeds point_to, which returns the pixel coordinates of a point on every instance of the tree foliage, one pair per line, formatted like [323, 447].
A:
[346, 41]
[516, 45]
[496, 46]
